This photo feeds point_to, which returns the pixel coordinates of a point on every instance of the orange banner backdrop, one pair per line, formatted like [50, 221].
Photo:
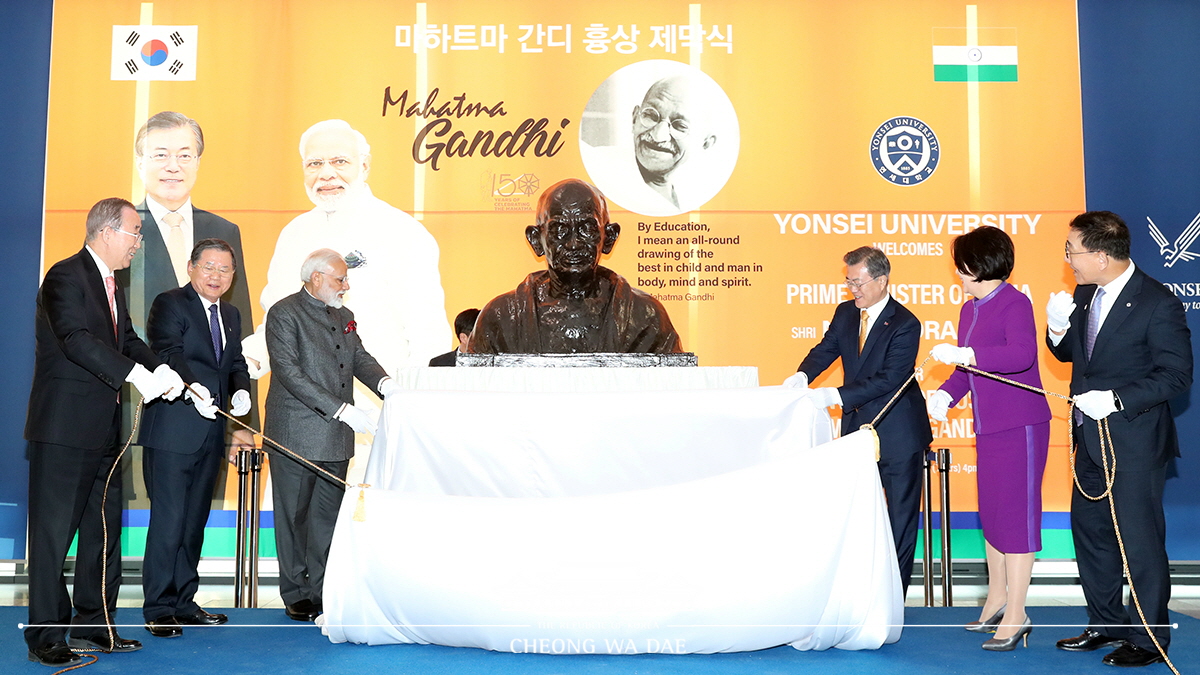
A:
[751, 275]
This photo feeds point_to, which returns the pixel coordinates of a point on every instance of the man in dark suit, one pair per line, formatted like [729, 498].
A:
[168, 148]
[1127, 339]
[464, 323]
[877, 340]
[315, 354]
[199, 336]
[86, 349]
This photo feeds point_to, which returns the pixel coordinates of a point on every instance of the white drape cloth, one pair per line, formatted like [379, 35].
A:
[544, 444]
[770, 542]
[577, 379]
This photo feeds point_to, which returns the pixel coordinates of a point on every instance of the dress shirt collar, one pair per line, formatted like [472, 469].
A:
[876, 309]
[1113, 288]
[158, 211]
[104, 271]
[204, 301]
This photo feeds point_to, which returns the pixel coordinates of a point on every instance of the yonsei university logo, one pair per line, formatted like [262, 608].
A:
[1173, 253]
[905, 151]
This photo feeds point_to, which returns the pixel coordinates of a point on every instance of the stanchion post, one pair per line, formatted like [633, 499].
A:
[943, 461]
[239, 560]
[256, 473]
[927, 523]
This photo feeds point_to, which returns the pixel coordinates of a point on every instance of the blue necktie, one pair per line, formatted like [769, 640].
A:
[1093, 328]
[1094, 321]
[214, 327]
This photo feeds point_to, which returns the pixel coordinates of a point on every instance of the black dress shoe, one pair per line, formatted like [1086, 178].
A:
[55, 654]
[1088, 641]
[100, 641]
[165, 627]
[201, 618]
[1132, 656]
[303, 610]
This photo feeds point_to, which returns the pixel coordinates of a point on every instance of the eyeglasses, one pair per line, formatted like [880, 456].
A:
[340, 280]
[161, 158]
[1067, 253]
[216, 270]
[137, 237]
[649, 117]
[854, 284]
[314, 165]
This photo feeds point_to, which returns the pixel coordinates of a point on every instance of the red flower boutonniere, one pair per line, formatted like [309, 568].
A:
[350, 328]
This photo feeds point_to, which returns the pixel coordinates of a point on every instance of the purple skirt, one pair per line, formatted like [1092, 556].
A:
[1009, 466]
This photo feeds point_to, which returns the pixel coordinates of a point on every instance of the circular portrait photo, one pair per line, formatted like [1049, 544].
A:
[659, 138]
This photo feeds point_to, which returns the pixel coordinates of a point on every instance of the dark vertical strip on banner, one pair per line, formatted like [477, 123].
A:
[1141, 141]
[25, 77]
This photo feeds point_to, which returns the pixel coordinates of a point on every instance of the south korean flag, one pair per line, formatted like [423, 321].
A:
[154, 53]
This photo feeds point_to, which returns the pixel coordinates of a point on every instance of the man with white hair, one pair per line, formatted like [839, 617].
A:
[666, 171]
[310, 410]
[392, 258]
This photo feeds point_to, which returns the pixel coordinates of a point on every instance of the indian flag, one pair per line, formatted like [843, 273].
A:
[974, 64]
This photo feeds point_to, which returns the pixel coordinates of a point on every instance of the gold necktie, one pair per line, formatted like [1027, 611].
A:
[862, 330]
[177, 248]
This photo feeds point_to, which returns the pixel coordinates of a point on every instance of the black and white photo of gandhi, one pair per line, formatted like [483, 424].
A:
[659, 138]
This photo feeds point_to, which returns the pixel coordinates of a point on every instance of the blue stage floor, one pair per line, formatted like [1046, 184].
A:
[266, 641]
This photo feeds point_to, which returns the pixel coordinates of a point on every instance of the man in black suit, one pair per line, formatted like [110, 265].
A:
[199, 336]
[877, 340]
[86, 349]
[464, 323]
[167, 149]
[1127, 339]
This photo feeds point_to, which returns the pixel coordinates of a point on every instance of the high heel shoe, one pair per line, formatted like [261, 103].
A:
[987, 625]
[1010, 643]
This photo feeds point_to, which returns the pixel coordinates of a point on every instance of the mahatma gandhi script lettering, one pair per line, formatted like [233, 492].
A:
[440, 139]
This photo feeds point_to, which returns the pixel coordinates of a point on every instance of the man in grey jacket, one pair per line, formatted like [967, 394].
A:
[316, 354]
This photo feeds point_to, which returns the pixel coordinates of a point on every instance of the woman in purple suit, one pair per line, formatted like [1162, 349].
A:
[996, 333]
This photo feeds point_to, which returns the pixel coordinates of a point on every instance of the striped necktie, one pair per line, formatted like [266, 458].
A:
[1094, 321]
[862, 330]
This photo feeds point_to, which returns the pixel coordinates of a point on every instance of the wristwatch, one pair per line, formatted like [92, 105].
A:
[1117, 402]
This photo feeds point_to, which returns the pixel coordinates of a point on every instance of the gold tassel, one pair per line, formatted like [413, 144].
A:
[874, 436]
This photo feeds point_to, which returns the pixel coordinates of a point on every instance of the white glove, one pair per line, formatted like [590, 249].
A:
[1096, 404]
[202, 399]
[357, 419]
[254, 350]
[797, 381]
[824, 397]
[938, 404]
[172, 383]
[1058, 311]
[148, 384]
[240, 403]
[388, 386]
[955, 356]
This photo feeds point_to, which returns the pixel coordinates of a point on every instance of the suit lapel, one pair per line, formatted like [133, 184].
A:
[1121, 308]
[232, 328]
[95, 282]
[195, 308]
[881, 325]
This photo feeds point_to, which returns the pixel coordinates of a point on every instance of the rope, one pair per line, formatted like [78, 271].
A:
[108, 623]
[331, 476]
[1110, 475]
[137, 416]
